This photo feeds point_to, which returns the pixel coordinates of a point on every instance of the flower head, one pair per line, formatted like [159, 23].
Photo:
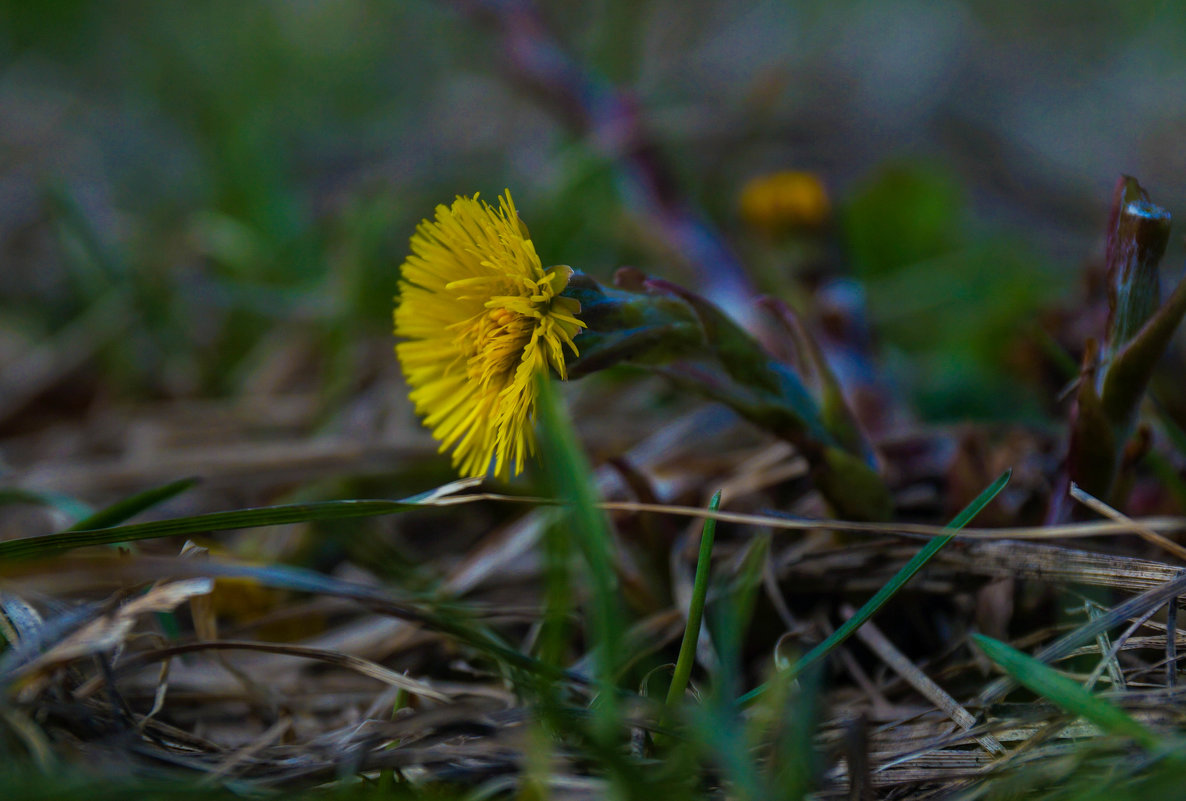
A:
[481, 318]
[779, 202]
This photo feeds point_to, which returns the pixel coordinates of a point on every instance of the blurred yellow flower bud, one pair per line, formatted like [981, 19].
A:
[780, 202]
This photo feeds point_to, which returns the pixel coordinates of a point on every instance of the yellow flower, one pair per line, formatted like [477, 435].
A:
[783, 201]
[481, 319]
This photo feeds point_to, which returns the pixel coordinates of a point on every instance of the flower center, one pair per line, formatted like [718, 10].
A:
[494, 345]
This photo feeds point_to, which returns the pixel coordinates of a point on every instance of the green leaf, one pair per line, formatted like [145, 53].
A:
[1065, 693]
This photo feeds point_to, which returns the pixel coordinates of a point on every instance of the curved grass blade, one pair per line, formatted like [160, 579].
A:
[892, 586]
[130, 507]
[1065, 693]
[28, 547]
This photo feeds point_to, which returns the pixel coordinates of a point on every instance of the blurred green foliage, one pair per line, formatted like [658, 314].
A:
[905, 214]
[235, 179]
[957, 297]
[232, 176]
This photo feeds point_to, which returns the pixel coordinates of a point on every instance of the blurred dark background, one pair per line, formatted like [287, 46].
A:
[209, 202]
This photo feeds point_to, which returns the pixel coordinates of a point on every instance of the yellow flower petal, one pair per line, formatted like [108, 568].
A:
[481, 318]
[785, 201]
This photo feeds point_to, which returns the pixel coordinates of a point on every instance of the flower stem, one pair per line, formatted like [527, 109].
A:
[684, 337]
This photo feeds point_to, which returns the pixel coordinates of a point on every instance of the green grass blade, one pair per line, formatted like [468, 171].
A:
[30, 547]
[559, 608]
[130, 507]
[86, 517]
[687, 648]
[1065, 693]
[893, 585]
[569, 477]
